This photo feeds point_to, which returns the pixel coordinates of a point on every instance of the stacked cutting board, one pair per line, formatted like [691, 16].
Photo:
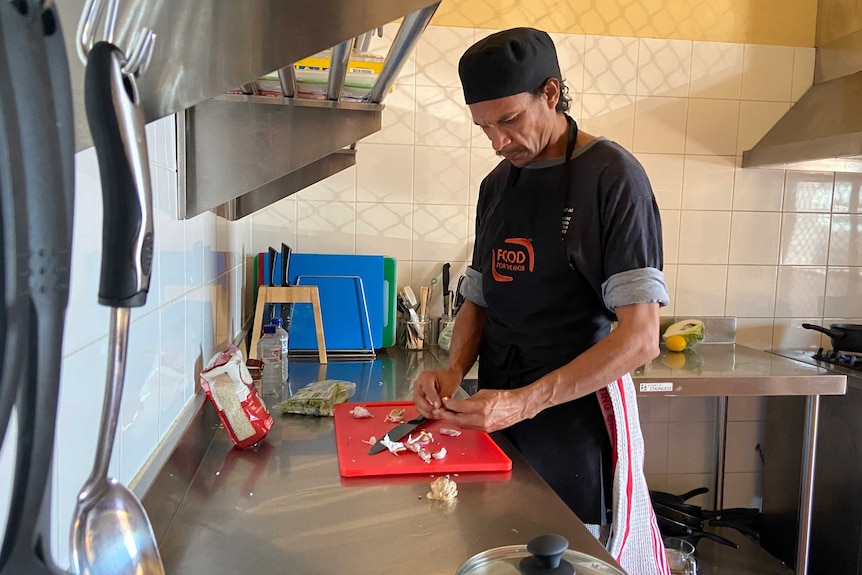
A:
[357, 299]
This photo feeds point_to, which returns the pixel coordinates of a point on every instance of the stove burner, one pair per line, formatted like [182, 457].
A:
[837, 357]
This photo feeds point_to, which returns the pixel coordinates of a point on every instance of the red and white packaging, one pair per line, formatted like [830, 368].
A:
[230, 388]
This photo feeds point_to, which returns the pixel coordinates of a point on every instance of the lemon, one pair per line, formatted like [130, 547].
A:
[674, 360]
[675, 343]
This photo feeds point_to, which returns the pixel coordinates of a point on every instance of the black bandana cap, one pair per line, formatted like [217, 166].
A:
[507, 63]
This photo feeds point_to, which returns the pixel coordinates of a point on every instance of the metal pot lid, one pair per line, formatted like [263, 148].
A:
[544, 555]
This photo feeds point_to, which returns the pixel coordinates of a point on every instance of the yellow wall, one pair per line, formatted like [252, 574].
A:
[776, 22]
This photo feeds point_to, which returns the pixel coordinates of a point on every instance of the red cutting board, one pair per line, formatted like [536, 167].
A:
[470, 451]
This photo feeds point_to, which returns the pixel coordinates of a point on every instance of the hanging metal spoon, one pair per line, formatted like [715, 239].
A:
[112, 534]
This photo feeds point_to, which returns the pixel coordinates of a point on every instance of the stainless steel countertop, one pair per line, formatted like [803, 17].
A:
[284, 508]
[724, 369]
[733, 370]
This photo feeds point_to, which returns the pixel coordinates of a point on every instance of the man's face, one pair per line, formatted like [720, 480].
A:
[520, 127]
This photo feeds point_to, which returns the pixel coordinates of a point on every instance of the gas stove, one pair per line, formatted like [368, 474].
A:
[849, 364]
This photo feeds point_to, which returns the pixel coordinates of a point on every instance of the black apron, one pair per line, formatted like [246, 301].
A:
[541, 314]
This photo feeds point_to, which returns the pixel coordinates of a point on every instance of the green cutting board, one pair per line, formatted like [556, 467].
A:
[390, 300]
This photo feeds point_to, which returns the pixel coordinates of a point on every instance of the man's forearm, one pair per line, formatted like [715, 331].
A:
[466, 337]
[632, 344]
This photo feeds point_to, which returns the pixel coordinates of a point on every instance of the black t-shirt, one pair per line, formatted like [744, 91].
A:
[611, 222]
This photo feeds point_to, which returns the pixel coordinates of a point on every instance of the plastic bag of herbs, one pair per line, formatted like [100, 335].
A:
[319, 397]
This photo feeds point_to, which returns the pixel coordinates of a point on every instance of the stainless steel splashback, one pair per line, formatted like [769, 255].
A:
[206, 47]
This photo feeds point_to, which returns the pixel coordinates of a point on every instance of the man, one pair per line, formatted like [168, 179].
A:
[568, 240]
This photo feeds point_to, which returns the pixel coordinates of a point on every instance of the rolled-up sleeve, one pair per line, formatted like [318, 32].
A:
[471, 287]
[643, 285]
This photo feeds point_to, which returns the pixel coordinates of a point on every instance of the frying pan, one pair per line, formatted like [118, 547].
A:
[38, 73]
[669, 498]
[732, 513]
[676, 529]
[844, 336]
[696, 520]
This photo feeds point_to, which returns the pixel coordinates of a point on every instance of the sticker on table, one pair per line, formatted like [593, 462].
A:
[656, 387]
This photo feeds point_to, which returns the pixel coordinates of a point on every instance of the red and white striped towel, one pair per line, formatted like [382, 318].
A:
[634, 539]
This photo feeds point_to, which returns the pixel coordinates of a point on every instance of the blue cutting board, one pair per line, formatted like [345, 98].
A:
[343, 324]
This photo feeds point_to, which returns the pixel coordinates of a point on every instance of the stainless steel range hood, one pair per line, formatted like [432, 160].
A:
[823, 130]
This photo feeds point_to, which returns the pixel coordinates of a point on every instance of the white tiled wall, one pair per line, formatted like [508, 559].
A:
[772, 248]
[194, 307]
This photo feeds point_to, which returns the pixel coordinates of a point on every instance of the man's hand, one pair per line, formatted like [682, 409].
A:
[431, 387]
[488, 410]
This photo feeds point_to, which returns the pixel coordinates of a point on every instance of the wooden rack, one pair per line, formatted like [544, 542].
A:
[291, 294]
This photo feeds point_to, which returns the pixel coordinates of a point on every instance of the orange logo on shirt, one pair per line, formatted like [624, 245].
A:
[517, 259]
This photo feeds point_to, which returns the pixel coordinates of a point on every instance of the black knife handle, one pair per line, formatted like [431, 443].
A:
[117, 126]
[446, 267]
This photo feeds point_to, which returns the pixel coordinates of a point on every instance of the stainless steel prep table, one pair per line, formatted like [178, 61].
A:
[725, 370]
[729, 370]
[285, 509]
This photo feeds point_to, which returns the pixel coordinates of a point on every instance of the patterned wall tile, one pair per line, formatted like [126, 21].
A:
[610, 65]
[326, 227]
[803, 72]
[441, 175]
[755, 119]
[399, 118]
[665, 172]
[767, 73]
[384, 173]
[751, 291]
[610, 116]
[848, 193]
[716, 70]
[712, 127]
[758, 190]
[439, 233]
[442, 118]
[708, 182]
[437, 55]
[660, 125]
[339, 187]
[664, 67]
[384, 229]
[800, 291]
[805, 239]
[843, 292]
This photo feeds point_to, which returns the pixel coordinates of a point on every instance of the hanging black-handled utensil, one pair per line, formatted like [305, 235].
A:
[107, 512]
[13, 246]
[35, 69]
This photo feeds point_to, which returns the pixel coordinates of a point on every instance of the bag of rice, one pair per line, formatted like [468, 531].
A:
[229, 386]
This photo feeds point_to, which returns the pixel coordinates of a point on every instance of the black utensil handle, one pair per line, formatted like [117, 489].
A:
[117, 126]
[744, 529]
[713, 537]
[446, 267]
[693, 493]
[833, 333]
[13, 248]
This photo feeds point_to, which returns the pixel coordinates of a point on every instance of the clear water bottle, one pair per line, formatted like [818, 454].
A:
[271, 350]
[282, 334]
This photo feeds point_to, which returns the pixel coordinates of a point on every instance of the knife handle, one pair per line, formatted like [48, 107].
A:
[117, 126]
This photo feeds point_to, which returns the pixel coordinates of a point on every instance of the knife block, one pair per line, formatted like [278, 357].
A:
[290, 294]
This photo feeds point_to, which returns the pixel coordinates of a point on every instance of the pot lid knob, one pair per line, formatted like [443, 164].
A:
[547, 551]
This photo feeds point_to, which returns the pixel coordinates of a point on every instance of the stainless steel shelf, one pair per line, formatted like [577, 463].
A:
[207, 47]
[253, 148]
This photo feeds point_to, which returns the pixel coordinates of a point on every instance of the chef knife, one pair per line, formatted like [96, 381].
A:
[397, 433]
[447, 310]
[285, 266]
